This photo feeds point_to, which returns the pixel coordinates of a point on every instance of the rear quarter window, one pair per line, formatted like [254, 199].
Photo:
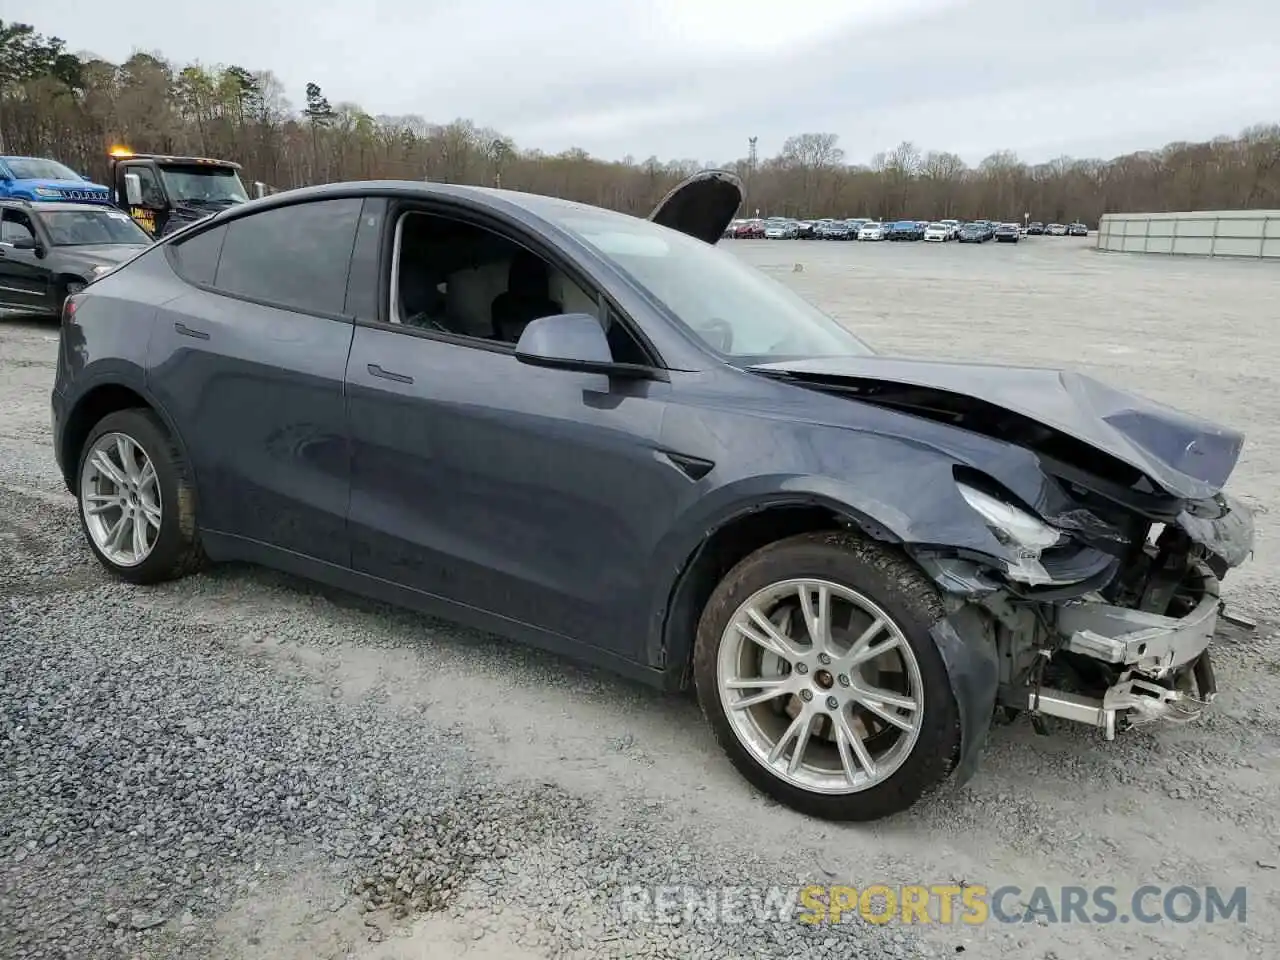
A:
[196, 258]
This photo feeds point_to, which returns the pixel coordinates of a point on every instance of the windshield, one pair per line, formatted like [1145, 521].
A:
[203, 184]
[737, 311]
[72, 228]
[26, 168]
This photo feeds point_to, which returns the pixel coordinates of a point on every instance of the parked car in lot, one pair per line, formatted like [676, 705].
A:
[1035, 228]
[1007, 233]
[50, 250]
[1077, 230]
[39, 179]
[1056, 230]
[987, 228]
[872, 231]
[780, 230]
[750, 230]
[937, 233]
[973, 233]
[835, 230]
[953, 228]
[804, 230]
[905, 230]
[602, 435]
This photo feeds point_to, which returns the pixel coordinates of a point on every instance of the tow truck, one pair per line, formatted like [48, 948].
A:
[163, 193]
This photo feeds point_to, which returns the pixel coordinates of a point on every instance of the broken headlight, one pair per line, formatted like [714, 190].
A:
[1026, 535]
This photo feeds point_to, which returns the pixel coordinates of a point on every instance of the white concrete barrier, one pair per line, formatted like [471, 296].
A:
[1204, 233]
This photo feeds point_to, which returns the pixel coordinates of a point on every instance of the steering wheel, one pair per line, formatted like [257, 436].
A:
[718, 333]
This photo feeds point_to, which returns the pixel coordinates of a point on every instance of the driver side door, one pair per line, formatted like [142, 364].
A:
[150, 213]
[529, 494]
[24, 278]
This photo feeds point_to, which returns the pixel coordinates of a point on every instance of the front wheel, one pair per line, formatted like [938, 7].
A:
[137, 502]
[816, 669]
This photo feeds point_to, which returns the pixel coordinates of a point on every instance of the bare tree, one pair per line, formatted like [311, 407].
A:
[76, 108]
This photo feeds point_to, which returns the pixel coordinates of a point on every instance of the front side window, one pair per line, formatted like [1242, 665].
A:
[296, 256]
[739, 312]
[460, 279]
[71, 228]
[148, 185]
[15, 226]
[33, 168]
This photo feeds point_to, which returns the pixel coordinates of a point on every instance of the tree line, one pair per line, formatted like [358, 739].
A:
[56, 104]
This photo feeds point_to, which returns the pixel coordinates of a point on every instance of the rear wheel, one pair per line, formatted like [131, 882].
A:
[815, 667]
[137, 504]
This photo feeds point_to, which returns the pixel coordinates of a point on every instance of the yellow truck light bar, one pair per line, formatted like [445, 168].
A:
[124, 153]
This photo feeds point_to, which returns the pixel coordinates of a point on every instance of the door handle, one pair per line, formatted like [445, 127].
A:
[186, 331]
[377, 371]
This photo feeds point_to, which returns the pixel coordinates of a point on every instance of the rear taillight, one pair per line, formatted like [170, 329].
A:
[69, 307]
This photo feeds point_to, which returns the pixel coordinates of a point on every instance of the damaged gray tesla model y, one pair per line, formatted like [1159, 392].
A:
[608, 437]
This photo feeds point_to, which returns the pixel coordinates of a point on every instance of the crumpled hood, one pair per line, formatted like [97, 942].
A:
[1183, 455]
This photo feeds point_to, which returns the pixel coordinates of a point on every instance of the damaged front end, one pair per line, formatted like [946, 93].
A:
[1104, 611]
[1079, 542]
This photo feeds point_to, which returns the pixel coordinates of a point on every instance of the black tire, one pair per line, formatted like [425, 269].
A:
[899, 588]
[177, 550]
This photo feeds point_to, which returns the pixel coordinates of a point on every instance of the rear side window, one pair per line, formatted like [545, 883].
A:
[196, 259]
[296, 256]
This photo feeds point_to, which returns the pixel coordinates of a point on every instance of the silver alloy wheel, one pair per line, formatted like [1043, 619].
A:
[120, 499]
[820, 686]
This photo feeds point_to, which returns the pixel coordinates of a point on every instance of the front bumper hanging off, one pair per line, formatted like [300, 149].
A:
[1149, 650]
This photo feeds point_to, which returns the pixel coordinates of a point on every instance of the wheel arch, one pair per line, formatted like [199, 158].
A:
[63, 277]
[734, 535]
[97, 402]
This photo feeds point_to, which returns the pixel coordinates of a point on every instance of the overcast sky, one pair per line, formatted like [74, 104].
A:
[695, 78]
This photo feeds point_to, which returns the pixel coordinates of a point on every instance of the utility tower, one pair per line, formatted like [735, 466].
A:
[751, 163]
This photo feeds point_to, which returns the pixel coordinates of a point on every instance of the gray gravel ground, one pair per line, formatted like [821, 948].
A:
[241, 765]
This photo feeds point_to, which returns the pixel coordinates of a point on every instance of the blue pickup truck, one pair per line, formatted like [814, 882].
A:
[36, 179]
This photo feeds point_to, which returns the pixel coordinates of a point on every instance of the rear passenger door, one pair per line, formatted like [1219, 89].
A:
[250, 364]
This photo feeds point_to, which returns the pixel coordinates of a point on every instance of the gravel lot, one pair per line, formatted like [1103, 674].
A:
[240, 765]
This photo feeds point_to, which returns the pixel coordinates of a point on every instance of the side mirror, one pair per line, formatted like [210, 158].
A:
[133, 189]
[573, 341]
[259, 190]
[86, 179]
[29, 243]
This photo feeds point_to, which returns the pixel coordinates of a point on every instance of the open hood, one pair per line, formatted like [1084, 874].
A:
[701, 206]
[1182, 455]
